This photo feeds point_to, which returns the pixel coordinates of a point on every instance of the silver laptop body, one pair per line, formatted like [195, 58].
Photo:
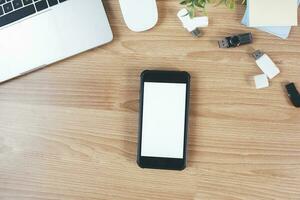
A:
[52, 34]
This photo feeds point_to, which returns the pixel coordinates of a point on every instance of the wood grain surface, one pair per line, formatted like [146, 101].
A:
[69, 131]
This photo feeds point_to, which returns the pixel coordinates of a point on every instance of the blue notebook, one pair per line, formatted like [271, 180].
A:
[280, 31]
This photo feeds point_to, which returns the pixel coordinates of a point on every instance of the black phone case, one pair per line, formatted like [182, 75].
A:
[168, 77]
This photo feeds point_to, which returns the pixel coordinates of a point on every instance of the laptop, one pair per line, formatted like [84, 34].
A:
[36, 33]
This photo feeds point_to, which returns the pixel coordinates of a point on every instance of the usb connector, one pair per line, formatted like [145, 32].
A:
[196, 32]
[257, 54]
[223, 43]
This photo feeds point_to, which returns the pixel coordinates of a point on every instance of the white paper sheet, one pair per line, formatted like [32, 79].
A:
[273, 13]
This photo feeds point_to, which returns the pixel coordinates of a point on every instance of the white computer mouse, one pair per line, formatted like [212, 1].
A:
[139, 15]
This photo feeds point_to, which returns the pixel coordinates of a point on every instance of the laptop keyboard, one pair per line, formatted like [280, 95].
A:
[14, 10]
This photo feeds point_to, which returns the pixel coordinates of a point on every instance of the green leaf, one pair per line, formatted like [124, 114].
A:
[194, 6]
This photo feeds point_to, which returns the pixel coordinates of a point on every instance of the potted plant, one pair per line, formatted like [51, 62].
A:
[193, 6]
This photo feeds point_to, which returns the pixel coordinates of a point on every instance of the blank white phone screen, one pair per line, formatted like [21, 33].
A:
[163, 120]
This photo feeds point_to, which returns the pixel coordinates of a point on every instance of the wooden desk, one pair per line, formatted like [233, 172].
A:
[69, 131]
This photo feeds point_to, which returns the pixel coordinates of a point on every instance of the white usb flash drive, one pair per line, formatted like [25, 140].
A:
[192, 25]
[265, 63]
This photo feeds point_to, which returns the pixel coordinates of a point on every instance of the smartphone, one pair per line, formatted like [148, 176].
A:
[163, 120]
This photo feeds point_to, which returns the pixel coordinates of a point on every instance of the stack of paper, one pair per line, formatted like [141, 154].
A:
[271, 15]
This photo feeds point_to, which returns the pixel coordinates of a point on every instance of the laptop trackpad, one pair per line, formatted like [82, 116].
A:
[29, 44]
[78, 34]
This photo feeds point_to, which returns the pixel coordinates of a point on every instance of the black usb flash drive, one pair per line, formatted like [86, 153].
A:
[236, 40]
[293, 94]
